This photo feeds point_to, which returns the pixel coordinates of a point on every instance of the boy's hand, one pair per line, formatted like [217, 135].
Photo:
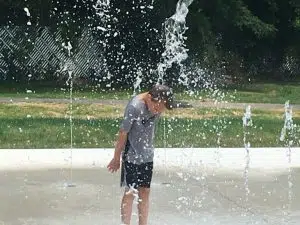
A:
[114, 165]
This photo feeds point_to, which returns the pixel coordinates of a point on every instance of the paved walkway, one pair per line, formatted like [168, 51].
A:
[123, 102]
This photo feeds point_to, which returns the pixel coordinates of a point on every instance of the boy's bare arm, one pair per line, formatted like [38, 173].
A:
[120, 144]
[114, 164]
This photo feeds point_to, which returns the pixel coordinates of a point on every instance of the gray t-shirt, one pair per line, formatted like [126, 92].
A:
[139, 122]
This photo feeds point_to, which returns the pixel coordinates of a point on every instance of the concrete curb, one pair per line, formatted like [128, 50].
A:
[188, 159]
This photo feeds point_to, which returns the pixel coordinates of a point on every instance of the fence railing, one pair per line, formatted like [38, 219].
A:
[40, 51]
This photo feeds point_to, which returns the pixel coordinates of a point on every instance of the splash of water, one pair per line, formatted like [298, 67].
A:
[137, 84]
[102, 8]
[247, 122]
[175, 49]
[287, 136]
[287, 130]
[28, 15]
[69, 82]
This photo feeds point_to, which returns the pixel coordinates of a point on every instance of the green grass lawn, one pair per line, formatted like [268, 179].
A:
[55, 133]
[23, 91]
[267, 93]
[251, 93]
[42, 125]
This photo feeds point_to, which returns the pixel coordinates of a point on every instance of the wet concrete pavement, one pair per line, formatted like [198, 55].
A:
[198, 196]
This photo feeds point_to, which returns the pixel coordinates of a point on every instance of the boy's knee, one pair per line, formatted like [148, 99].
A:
[144, 192]
[128, 194]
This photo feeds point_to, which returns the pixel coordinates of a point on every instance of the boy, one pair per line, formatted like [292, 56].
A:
[135, 143]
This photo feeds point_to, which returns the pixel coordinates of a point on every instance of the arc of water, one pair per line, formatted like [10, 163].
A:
[102, 9]
[69, 82]
[286, 135]
[247, 122]
[175, 49]
[137, 84]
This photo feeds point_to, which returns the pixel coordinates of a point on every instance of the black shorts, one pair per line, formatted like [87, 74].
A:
[135, 176]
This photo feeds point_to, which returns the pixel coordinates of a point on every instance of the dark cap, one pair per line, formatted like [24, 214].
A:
[162, 92]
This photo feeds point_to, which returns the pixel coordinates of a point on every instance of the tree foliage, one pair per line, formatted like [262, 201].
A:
[245, 37]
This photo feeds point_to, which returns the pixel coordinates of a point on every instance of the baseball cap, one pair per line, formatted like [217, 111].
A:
[162, 92]
[165, 93]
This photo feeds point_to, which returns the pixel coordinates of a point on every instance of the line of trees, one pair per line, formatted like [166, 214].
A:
[245, 38]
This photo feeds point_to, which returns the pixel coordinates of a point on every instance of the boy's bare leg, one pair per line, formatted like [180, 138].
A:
[126, 207]
[143, 205]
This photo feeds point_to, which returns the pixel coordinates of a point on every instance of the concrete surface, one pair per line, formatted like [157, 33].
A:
[190, 186]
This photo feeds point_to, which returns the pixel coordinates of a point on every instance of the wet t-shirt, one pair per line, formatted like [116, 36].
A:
[139, 122]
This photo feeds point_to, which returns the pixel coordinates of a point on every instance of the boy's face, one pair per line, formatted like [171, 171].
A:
[157, 107]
